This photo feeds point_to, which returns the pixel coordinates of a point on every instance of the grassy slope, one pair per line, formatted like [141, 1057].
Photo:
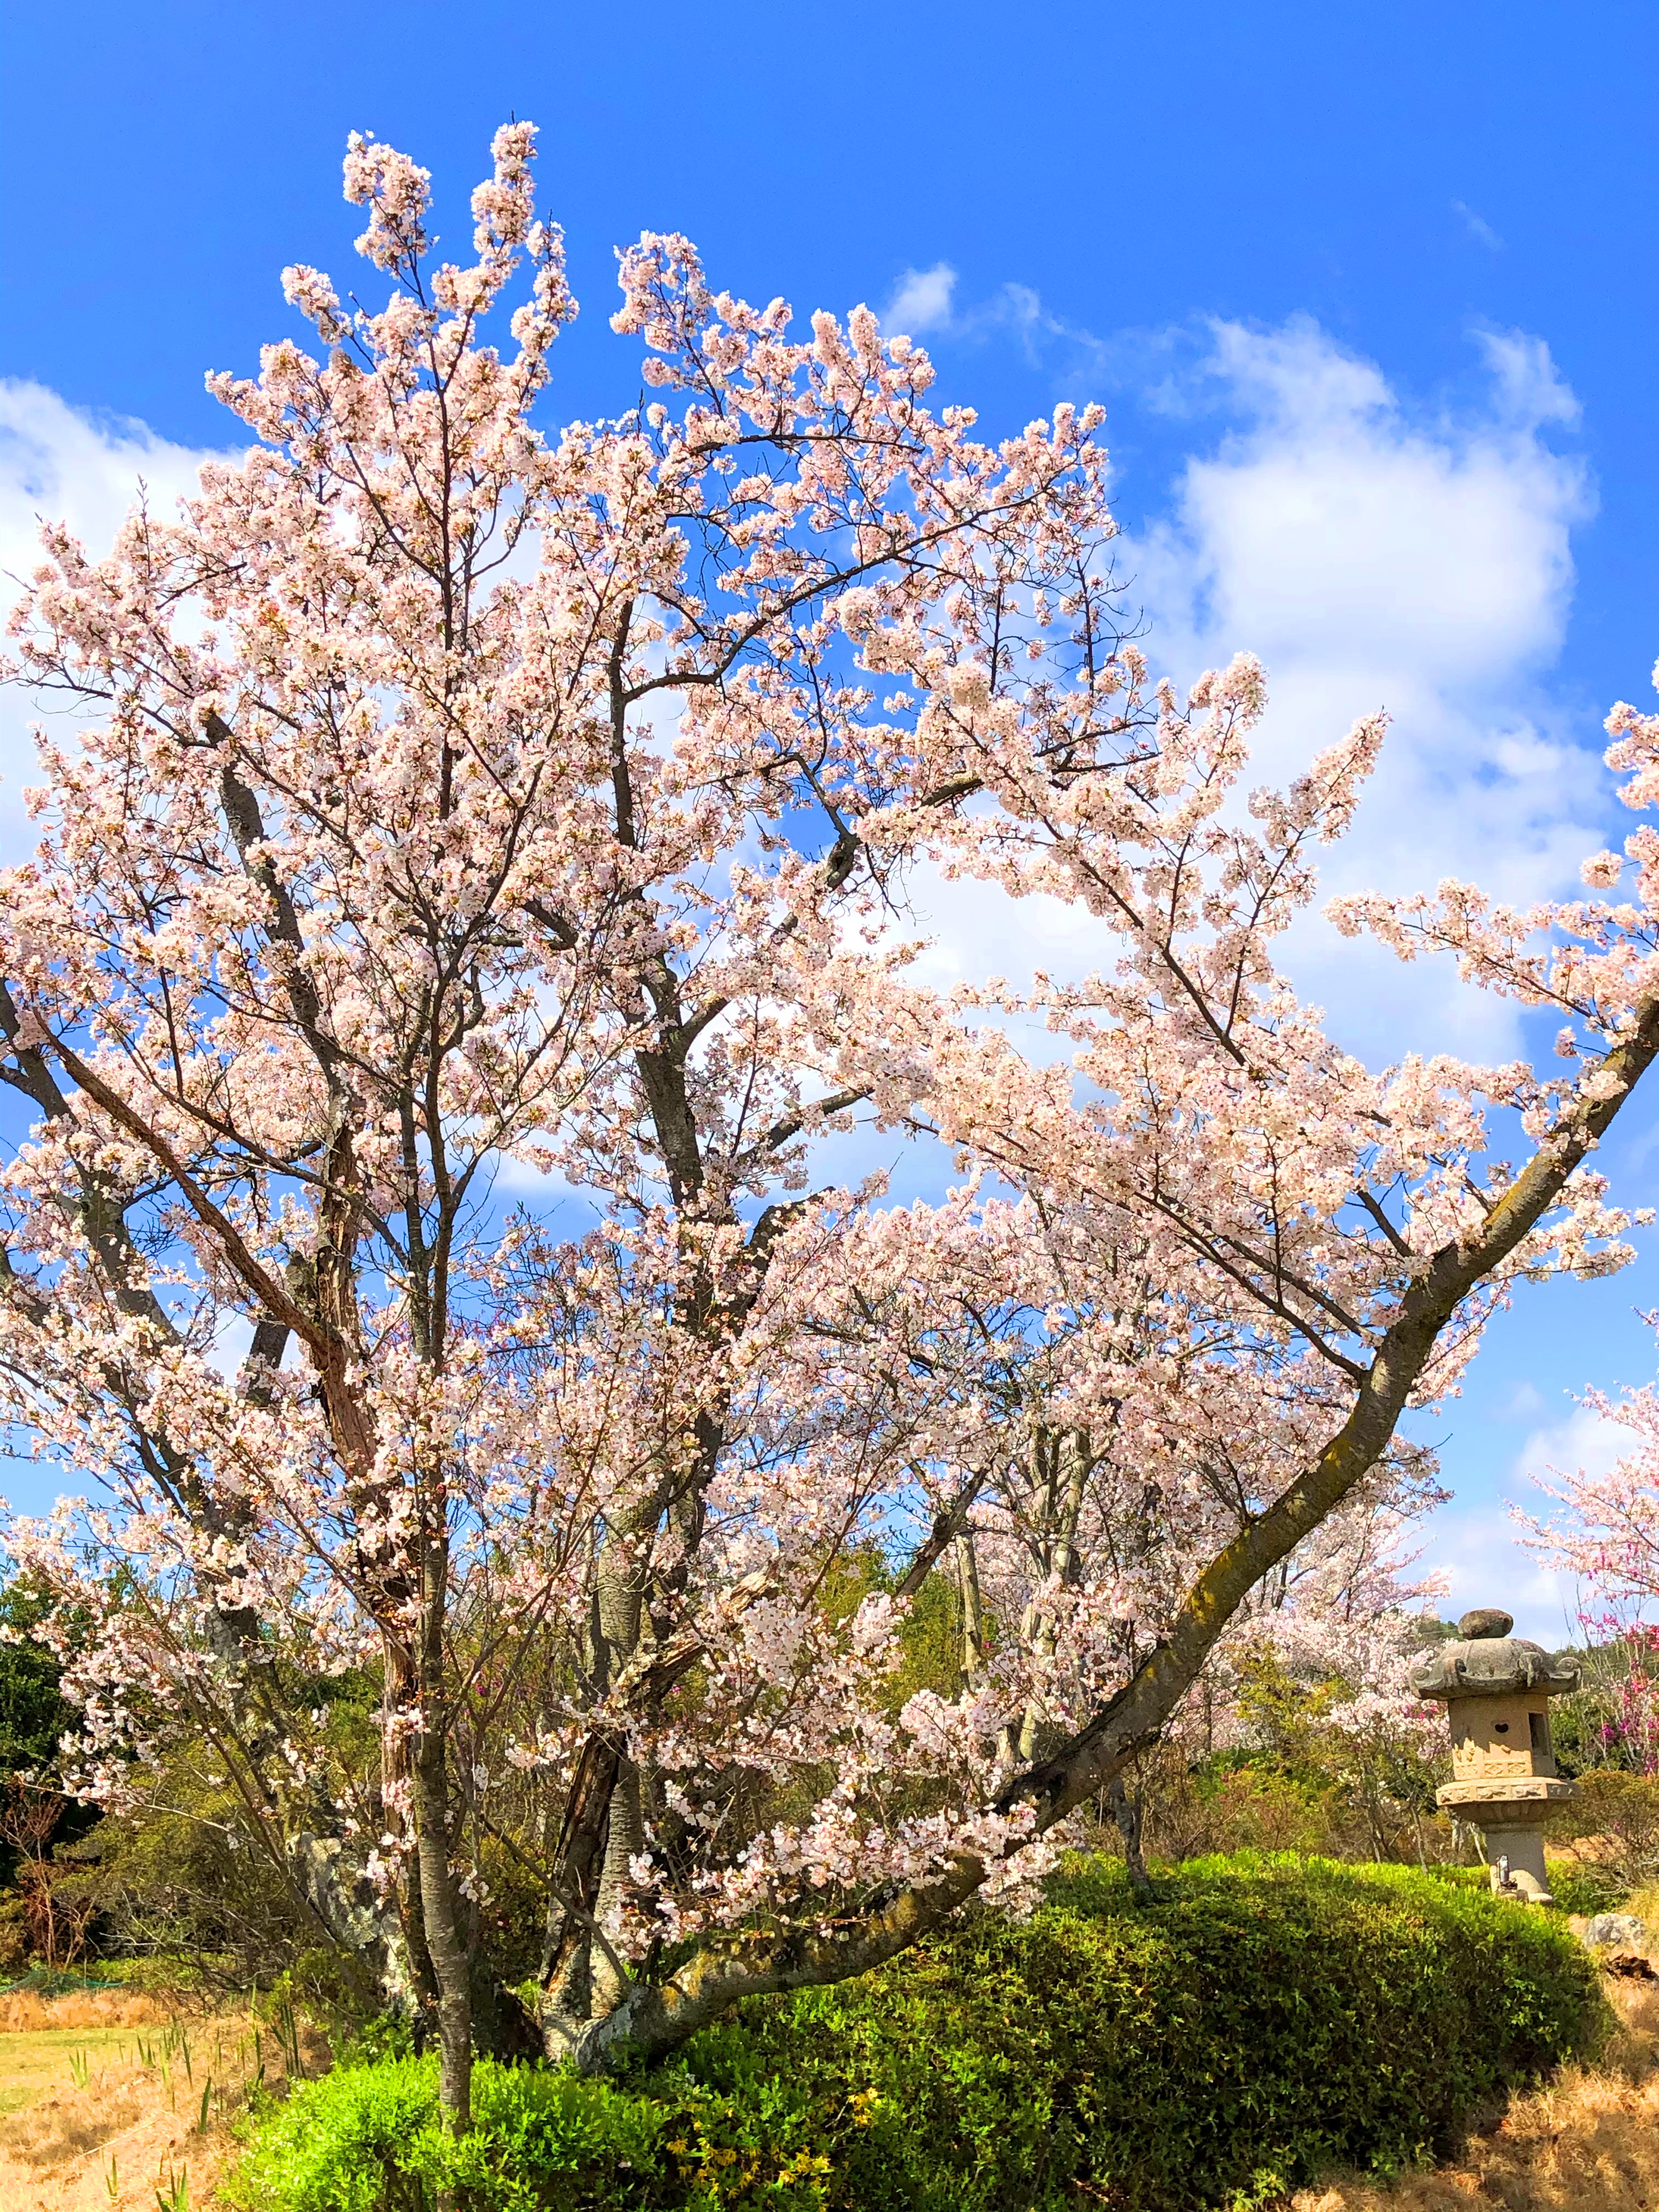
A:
[135, 2128]
[33, 2063]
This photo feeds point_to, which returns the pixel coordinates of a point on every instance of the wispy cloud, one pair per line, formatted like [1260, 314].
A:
[1378, 553]
[1375, 553]
[921, 301]
[60, 464]
[1525, 1402]
[1582, 1441]
[1478, 227]
[925, 301]
[1478, 1549]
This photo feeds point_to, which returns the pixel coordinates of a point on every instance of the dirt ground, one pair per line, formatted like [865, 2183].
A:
[110, 2102]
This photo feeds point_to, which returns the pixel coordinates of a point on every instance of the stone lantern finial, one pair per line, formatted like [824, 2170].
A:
[1496, 1688]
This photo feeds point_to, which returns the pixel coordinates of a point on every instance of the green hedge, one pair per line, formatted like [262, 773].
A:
[1263, 2019]
[1575, 1886]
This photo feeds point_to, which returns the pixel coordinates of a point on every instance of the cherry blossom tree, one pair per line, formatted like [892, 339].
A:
[1605, 1532]
[462, 967]
[1605, 1528]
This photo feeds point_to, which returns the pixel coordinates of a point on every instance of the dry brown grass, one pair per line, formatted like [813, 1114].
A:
[1588, 2143]
[135, 2127]
[33, 2063]
[112, 2146]
[24, 2011]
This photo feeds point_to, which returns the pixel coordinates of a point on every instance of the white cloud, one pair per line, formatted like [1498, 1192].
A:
[1525, 1402]
[1332, 531]
[62, 466]
[1480, 1547]
[1478, 227]
[925, 301]
[921, 301]
[1372, 555]
[59, 463]
[1530, 389]
[1581, 1440]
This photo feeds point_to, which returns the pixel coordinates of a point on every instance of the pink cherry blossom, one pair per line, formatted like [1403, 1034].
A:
[461, 924]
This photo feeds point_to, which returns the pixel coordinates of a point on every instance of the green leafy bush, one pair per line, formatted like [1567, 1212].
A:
[366, 2138]
[1581, 1886]
[1263, 2018]
[1575, 1886]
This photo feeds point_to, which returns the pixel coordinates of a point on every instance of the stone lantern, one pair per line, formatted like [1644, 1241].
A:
[1496, 1689]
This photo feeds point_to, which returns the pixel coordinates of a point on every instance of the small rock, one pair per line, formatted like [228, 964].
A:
[1486, 1620]
[1621, 1927]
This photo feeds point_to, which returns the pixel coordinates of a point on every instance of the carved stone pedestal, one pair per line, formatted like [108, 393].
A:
[1496, 1688]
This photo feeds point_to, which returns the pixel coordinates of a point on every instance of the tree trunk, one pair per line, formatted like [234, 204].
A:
[438, 1911]
[1066, 1455]
[973, 1609]
[604, 1829]
[449, 1957]
[1126, 1810]
[623, 1844]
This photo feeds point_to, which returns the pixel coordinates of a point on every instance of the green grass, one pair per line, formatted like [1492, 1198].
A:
[33, 2062]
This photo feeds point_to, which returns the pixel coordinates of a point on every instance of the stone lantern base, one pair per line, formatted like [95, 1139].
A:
[1509, 1815]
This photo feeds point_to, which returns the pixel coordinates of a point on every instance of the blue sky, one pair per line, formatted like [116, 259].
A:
[1369, 293]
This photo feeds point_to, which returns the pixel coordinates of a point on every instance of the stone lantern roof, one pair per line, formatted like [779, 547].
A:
[1489, 1663]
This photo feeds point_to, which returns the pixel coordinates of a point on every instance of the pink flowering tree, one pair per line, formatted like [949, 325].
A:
[461, 939]
[1604, 1530]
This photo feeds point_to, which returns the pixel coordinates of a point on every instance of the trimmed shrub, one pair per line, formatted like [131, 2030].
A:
[1575, 1886]
[1262, 2019]
[366, 2138]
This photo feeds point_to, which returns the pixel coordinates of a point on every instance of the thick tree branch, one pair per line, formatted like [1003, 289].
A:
[651, 2022]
